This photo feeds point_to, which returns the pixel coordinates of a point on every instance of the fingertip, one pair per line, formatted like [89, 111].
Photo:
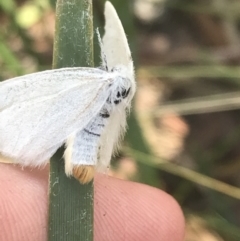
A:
[133, 211]
[172, 218]
[123, 210]
[23, 203]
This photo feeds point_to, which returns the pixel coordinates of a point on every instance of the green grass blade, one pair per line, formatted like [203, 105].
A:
[70, 203]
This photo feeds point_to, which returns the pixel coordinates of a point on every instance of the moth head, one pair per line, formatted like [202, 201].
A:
[126, 74]
[116, 53]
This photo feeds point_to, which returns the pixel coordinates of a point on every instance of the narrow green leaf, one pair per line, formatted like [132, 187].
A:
[70, 203]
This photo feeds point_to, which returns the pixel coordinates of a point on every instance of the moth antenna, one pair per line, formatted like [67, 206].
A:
[103, 55]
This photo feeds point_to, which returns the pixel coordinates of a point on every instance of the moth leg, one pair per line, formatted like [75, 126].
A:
[81, 152]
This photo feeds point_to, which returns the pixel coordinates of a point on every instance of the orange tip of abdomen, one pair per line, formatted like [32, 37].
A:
[83, 173]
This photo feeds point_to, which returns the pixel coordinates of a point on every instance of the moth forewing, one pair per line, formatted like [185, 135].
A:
[34, 127]
[41, 84]
[115, 44]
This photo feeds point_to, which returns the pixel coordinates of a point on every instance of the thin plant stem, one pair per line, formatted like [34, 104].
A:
[70, 203]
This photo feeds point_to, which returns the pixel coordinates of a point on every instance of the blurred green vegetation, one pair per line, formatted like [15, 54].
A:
[190, 52]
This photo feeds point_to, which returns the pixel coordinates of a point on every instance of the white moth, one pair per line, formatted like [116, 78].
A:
[85, 108]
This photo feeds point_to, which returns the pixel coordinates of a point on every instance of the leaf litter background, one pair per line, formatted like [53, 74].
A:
[187, 56]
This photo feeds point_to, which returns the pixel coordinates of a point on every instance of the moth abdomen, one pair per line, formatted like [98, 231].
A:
[117, 101]
[91, 133]
[104, 115]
